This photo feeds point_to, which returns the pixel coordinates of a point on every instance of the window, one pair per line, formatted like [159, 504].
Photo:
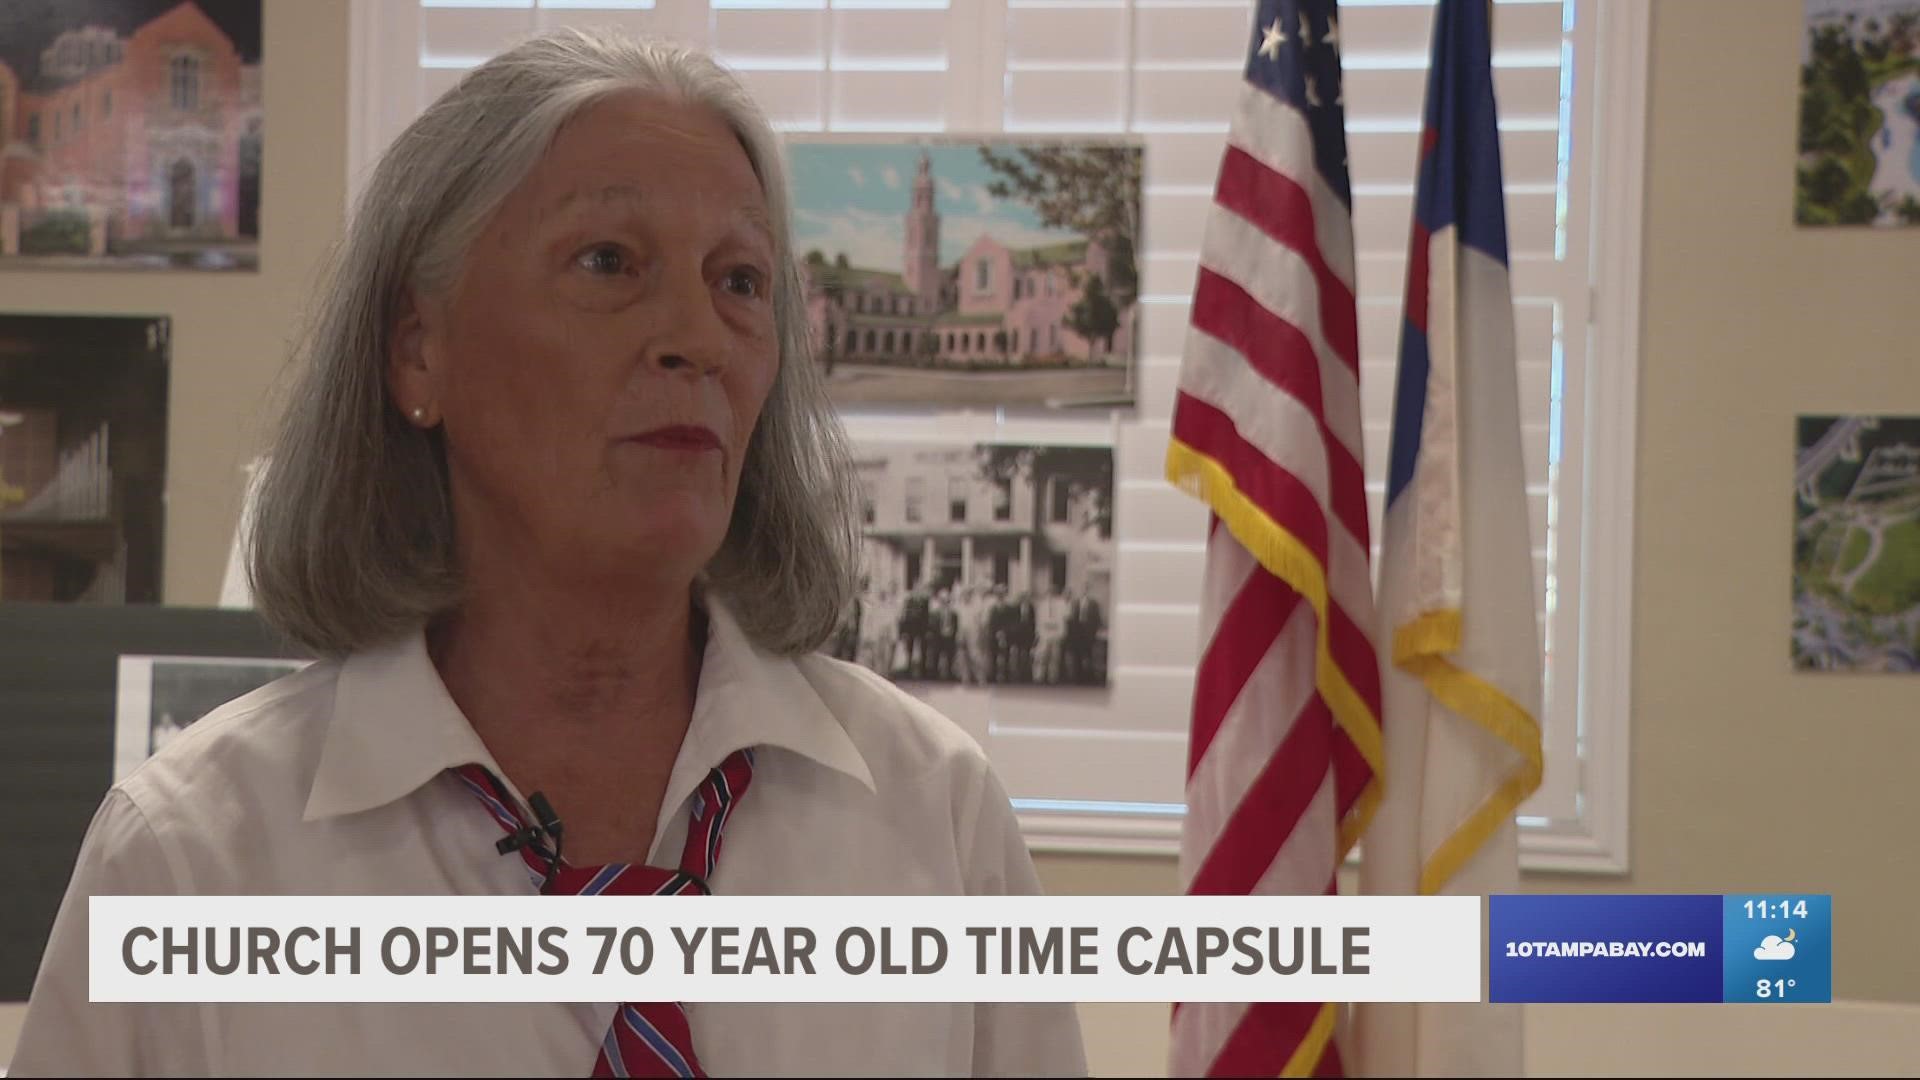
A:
[916, 498]
[1003, 500]
[980, 341]
[56, 125]
[1571, 82]
[867, 509]
[183, 74]
[853, 340]
[106, 103]
[1059, 493]
[870, 345]
[33, 128]
[889, 345]
[76, 116]
[1033, 340]
[1057, 570]
[1002, 569]
[956, 500]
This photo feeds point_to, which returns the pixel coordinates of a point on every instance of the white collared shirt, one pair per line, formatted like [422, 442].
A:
[333, 781]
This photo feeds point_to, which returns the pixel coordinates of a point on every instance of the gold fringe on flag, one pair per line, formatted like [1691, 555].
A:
[1421, 648]
[1287, 558]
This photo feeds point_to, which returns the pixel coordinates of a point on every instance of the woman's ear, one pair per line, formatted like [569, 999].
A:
[413, 374]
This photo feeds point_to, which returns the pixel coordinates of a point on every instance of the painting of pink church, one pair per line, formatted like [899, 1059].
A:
[130, 134]
[967, 272]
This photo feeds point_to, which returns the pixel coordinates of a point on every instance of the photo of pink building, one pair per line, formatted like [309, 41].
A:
[130, 134]
[982, 285]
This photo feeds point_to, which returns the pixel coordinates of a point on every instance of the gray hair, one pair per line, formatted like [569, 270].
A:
[353, 536]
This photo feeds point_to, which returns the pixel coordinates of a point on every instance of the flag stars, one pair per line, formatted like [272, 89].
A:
[1305, 59]
[1272, 38]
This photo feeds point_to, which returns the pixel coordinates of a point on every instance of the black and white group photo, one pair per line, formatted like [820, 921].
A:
[186, 690]
[984, 565]
[159, 697]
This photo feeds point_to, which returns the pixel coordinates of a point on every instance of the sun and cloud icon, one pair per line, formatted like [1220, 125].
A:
[1775, 947]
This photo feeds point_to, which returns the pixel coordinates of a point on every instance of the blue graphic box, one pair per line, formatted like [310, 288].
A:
[1539, 948]
[1779, 948]
[1774, 948]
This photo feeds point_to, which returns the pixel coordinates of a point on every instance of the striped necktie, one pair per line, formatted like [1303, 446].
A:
[646, 1038]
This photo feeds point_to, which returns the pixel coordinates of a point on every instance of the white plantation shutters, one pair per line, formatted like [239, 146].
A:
[1104, 770]
[839, 65]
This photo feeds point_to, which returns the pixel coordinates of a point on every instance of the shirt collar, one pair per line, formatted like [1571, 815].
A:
[395, 727]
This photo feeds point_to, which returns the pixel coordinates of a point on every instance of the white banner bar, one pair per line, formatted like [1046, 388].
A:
[785, 948]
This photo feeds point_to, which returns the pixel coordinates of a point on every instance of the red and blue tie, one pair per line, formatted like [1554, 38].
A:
[646, 1038]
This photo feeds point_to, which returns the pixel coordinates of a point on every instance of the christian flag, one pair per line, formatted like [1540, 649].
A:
[1285, 742]
[1456, 584]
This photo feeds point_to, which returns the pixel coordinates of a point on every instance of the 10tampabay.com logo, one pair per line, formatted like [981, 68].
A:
[1747, 948]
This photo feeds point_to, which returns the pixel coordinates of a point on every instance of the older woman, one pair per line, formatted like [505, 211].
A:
[561, 504]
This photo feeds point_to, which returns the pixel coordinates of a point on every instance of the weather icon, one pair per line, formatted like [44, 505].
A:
[1775, 947]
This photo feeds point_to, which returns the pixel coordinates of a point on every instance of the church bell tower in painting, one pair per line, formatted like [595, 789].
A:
[922, 256]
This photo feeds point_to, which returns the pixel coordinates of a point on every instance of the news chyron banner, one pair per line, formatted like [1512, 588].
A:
[1595, 948]
[784, 948]
[1775, 948]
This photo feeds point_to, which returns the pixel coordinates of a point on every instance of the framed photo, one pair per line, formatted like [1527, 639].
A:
[83, 458]
[986, 564]
[158, 697]
[1859, 148]
[60, 699]
[130, 134]
[971, 272]
[1856, 544]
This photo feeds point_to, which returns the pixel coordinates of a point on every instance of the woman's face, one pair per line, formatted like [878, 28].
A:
[600, 364]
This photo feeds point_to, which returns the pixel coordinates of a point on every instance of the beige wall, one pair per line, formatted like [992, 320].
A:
[1746, 776]
[230, 331]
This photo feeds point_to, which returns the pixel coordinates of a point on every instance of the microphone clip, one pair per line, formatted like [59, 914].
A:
[544, 813]
[526, 836]
[542, 839]
[535, 837]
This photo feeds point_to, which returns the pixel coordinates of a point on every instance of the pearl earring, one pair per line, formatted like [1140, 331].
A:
[419, 415]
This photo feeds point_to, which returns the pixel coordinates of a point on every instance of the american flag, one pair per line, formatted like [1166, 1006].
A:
[1284, 755]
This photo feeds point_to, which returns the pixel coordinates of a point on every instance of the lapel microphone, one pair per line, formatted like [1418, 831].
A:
[533, 837]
